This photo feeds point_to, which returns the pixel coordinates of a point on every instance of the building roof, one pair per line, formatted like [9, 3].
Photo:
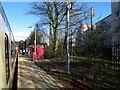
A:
[104, 18]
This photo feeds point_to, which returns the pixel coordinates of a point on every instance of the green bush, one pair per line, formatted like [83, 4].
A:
[48, 52]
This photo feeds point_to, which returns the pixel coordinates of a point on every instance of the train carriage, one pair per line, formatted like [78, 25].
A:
[8, 55]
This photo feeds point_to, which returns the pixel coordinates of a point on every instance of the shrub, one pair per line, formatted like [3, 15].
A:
[48, 52]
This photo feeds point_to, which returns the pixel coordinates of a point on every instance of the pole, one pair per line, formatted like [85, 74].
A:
[68, 54]
[91, 18]
[35, 54]
[25, 47]
[35, 41]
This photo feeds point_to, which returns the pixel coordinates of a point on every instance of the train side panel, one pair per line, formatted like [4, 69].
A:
[8, 53]
[2, 54]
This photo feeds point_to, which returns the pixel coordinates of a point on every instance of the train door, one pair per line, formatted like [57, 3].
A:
[7, 58]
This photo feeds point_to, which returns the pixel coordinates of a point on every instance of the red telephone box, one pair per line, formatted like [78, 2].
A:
[39, 52]
[33, 54]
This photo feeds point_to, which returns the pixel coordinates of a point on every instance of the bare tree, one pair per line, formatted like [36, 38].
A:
[53, 16]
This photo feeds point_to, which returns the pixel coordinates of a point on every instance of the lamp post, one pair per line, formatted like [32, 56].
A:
[34, 54]
[68, 54]
[35, 45]
[91, 18]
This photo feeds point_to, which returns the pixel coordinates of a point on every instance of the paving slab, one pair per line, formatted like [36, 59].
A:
[32, 76]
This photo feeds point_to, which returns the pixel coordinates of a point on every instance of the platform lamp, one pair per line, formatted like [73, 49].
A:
[34, 54]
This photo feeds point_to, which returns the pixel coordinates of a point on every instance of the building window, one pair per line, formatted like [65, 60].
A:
[118, 14]
[110, 28]
[119, 4]
[117, 29]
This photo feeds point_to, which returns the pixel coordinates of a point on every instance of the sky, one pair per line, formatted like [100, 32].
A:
[20, 21]
[101, 9]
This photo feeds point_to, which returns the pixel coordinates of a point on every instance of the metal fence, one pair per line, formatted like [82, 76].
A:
[116, 54]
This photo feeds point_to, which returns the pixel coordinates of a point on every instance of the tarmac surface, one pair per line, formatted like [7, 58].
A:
[32, 76]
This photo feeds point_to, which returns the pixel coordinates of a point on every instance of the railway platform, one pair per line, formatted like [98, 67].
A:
[33, 77]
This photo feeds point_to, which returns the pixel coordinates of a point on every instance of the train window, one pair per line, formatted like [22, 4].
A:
[7, 58]
[12, 50]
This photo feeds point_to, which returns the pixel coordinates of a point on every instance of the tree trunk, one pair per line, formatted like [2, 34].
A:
[65, 41]
[51, 36]
[55, 42]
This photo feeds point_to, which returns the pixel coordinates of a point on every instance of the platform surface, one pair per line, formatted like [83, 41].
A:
[32, 76]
